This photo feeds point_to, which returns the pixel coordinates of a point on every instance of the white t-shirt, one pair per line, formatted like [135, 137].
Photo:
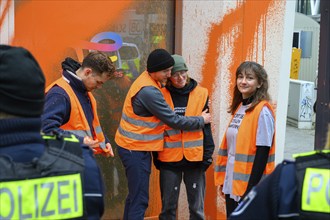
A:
[265, 133]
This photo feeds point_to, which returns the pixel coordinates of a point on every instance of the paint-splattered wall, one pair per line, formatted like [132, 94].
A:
[216, 37]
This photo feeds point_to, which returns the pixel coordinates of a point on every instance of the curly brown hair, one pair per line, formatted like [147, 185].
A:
[259, 95]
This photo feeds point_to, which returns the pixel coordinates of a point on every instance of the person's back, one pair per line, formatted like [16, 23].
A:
[295, 190]
[30, 162]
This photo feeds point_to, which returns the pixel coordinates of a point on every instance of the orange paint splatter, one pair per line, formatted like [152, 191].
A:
[49, 28]
[5, 11]
[246, 17]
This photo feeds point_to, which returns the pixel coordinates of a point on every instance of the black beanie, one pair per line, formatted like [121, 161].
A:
[158, 60]
[22, 83]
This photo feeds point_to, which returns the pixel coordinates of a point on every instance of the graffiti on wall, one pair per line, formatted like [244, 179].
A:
[306, 104]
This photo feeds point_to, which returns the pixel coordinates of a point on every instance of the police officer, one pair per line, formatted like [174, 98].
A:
[295, 190]
[40, 177]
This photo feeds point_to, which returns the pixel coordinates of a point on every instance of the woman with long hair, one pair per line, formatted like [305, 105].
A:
[247, 151]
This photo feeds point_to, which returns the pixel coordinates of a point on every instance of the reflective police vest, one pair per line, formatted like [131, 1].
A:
[245, 152]
[78, 123]
[136, 132]
[313, 178]
[186, 143]
[49, 187]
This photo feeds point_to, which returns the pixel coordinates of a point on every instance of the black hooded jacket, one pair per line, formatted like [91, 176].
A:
[180, 100]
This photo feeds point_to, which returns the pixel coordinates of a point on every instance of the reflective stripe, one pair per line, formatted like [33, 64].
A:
[98, 129]
[288, 215]
[192, 131]
[245, 177]
[93, 195]
[222, 152]
[220, 168]
[140, 137]
[81, 133]
[244, 158]
[140, 122]
[190, 144]
[310, 153]
[241, 176]
[177, 144]
[102, 145]
[72, 138]
[271, 158]
[172, 132]
[250, 158]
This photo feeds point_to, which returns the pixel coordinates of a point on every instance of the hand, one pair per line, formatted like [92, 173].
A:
[91, 143]
[206, 116]
[108, 152]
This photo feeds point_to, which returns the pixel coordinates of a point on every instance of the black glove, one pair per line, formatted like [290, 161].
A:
[206, 163]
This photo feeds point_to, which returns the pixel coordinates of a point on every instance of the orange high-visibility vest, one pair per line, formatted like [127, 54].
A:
[245, 152]
[78, 123]
[185, 143]
[136, 132]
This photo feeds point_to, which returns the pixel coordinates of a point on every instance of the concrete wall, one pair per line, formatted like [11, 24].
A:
[216, 37]
[6, 21]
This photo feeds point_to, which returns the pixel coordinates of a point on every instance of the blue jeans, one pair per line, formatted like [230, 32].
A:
[138, 167]
[170, 181]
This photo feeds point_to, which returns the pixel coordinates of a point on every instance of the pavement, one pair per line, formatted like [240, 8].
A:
[298, 141]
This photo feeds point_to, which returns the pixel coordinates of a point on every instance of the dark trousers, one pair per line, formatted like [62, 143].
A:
[138, 167]
[170, 181]
[230, 205]
[93, 186]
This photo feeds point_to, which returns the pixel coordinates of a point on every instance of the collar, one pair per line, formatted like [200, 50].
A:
[75, 81]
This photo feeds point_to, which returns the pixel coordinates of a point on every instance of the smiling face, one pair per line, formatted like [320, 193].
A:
[179, 79]
[247, 83]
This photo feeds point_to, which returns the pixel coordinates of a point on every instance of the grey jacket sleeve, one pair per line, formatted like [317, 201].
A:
[152, 100]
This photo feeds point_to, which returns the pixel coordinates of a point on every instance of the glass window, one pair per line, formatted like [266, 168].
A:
[146, 25]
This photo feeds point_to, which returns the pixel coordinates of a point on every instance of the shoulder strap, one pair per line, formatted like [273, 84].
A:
[63, 155]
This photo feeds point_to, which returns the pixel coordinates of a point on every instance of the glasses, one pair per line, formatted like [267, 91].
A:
[179, 73]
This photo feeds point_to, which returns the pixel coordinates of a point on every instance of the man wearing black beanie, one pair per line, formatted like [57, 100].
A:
[141, 129]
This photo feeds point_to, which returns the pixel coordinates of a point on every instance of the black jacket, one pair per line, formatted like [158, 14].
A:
[180, 100]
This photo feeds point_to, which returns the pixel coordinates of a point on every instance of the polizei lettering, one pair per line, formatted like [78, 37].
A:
[58, 197]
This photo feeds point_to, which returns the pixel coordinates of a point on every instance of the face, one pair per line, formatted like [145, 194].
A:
[161, 76]
[94, 81]
[247, 83]
[179, 79]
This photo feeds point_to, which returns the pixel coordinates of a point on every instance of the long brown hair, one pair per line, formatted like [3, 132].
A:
[259, 95]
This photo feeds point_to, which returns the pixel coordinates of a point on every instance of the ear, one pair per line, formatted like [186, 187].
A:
[87, 71]
[258, 87]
